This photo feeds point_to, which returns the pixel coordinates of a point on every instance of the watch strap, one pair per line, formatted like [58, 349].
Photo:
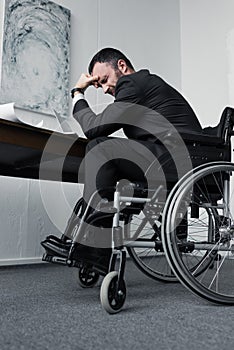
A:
[76, 89]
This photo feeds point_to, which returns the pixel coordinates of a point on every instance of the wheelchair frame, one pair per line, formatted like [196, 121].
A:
[204, 191]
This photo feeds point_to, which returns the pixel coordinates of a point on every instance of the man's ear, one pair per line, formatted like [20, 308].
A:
[122, 66]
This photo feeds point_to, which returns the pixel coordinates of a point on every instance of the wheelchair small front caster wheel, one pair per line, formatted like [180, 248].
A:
[87, 278]
[112, 296]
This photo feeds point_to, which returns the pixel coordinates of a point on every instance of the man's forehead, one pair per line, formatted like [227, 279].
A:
[101, 68]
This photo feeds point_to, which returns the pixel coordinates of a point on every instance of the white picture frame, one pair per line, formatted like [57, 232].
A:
[36, 56]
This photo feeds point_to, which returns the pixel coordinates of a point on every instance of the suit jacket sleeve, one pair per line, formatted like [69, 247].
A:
[112, 118]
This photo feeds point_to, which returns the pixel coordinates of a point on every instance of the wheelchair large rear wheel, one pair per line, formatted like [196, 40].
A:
[204, 198]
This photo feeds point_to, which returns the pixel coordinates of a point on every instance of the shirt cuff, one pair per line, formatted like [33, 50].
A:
[76, 98]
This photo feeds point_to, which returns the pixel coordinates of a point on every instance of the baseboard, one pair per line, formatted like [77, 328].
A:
[20, 261]
[26, 261]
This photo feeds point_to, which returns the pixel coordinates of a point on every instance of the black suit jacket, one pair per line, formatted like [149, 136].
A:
[145, 106]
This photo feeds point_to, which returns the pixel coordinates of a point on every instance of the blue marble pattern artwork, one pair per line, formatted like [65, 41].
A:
[36, 56]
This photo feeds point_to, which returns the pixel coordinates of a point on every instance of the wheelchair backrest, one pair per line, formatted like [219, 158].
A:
[224, 129]
[213, 144]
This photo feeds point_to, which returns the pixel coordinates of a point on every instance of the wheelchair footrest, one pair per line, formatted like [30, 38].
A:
[54, 259]
[58, 253]
[60, 260]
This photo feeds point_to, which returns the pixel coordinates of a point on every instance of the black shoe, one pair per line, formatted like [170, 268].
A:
[54, 247]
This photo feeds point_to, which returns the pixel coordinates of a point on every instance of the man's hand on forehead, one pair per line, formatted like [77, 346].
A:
[95, 81]
[86, 80]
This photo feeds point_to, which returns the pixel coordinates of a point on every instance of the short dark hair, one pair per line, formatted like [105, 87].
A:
[109, 55]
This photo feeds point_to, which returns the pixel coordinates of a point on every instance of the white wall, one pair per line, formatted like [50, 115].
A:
[207, 50]
[149, 33]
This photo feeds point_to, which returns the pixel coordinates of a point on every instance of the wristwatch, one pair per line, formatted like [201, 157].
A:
[75, 90]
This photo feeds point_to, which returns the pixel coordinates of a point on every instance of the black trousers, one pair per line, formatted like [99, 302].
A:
[109, 160]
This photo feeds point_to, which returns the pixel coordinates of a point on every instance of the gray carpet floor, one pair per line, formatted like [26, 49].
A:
[42, 307]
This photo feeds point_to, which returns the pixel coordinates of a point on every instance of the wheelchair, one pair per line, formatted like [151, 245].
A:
[184, 232]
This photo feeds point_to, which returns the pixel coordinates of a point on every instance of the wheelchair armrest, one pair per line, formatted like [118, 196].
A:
[218, 135]
[203, 138]
[192, 138]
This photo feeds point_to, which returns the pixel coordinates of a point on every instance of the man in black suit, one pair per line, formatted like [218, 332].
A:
[145, 107]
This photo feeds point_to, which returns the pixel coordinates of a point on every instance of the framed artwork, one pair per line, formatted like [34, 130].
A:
[36, 56]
